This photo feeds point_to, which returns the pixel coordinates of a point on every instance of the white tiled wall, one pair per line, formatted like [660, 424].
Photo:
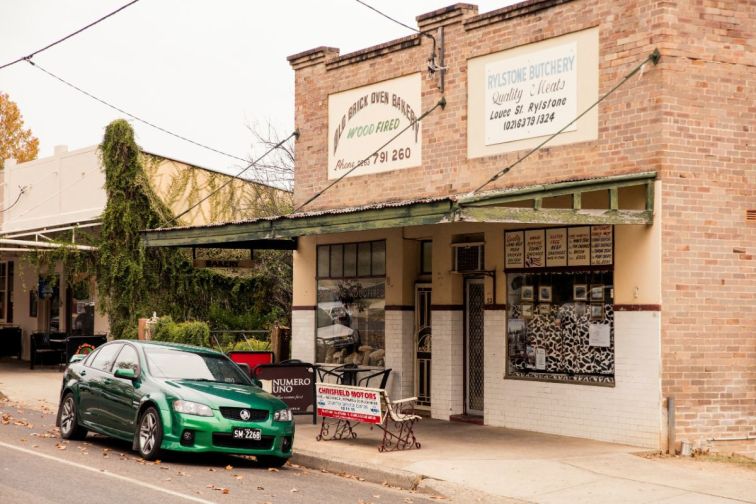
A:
[630, 412]
[303, 335]
[400, 351]
[447, 382]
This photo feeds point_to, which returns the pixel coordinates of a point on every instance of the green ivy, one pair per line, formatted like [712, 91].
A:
[134, 281]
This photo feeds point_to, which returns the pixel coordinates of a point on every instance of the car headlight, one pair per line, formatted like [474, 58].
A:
[191, 408]
[283, 415]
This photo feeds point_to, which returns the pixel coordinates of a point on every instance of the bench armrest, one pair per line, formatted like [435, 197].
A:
[409, 399]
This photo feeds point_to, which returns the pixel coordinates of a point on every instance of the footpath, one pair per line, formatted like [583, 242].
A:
[470, 463]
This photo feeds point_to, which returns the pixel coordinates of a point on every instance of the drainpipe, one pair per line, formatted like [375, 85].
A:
[671, 425]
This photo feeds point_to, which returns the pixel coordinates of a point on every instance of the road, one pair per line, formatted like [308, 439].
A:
[37, 466]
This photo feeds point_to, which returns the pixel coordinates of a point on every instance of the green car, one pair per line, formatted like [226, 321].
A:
[163, 396]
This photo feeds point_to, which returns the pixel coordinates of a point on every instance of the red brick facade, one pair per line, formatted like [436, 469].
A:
[691, 119]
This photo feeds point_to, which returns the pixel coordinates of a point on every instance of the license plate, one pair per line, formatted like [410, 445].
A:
[246, 433]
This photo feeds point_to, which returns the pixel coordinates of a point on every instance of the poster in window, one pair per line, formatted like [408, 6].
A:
[579, 246]
[601, 245]
[599, 335]
[514, 250]
[535, 249]
[556, 247]
[540, 358]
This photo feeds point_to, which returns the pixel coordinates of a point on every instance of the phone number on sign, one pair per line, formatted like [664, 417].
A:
[392, 155]
[524, 122]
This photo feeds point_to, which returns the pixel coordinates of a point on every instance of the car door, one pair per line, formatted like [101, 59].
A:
[124, 394]
[94, 409]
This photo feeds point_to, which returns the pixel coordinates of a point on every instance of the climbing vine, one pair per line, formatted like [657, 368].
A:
[134, 281]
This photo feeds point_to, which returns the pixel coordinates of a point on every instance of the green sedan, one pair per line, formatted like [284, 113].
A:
[162, 396]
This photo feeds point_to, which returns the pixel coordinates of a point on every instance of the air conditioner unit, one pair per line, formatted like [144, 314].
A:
[468, 257]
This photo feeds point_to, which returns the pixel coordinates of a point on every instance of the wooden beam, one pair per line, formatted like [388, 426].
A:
[554, 216]
[558, 189]
[613, 198]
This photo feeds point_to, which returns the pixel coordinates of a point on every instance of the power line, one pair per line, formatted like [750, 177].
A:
[654, 57]
[48, 46]
[21, 191]
[432, 65]
[136, 118]
[295, 133]
[441, 103]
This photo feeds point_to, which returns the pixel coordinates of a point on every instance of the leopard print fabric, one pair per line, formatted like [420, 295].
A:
[563, 332]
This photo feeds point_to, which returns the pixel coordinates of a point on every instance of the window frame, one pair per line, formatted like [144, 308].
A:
[343, 247]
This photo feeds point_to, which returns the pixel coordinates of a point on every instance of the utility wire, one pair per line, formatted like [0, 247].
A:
[295, 133]
[426, 34]
[654, 57]
[441, 103]
[21, 191]
[136, 118]
[48, 46]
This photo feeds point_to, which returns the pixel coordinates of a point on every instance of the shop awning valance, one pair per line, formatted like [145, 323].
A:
[538, 204]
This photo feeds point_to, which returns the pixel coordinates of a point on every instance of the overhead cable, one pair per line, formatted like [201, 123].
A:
[654, 57]
[48, 46]
[21, 191]
[295, 133]
[441, 103]
[136, 118]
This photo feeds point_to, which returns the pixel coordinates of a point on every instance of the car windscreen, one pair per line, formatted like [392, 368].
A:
[185, 365]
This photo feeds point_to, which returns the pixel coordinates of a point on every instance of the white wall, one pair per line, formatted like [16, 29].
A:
[62, 189]
[630, 412]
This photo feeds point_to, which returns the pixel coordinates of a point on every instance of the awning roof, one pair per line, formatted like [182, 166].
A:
[280, 232]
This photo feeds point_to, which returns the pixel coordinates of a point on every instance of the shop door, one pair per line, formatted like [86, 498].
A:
[423, 345]
[474, 306]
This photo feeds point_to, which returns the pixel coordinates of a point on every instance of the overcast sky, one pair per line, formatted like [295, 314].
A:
[203, 69]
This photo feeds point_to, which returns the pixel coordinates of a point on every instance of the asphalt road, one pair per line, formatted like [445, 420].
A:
[37, 466]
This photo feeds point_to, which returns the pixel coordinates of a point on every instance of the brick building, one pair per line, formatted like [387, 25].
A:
[607, 271]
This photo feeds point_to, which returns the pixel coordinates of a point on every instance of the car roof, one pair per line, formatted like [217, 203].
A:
[176, 346]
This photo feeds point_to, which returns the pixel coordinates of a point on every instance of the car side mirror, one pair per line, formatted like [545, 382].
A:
[126, 373]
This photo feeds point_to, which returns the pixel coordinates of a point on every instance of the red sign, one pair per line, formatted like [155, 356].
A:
[349, 403]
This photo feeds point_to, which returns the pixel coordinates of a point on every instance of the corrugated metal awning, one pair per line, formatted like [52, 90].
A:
[524, 205]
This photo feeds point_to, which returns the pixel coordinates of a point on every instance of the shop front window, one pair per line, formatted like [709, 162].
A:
[560, 316]
[351, 300]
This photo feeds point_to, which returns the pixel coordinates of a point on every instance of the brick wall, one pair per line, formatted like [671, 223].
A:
[709, 181]
[400, 352]
[447, 365]
[303, 335]
[691, 119]
[629, 413]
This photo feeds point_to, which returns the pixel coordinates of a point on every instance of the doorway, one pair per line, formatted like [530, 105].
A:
[474, 351]
[423, 346]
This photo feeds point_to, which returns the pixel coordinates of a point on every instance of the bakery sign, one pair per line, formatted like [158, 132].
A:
[559, 247]
[362, 120]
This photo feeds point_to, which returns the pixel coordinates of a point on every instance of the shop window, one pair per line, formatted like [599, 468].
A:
[560, 317]
[82, 309]
[351, 299]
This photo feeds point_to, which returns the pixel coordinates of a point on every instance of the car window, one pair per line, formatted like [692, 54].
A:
[180, 364]
[88, 360]
[105, 357]
[127, 359]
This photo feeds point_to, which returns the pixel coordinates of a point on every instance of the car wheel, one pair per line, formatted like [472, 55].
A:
[270, 460]
[150, 434]
[69, 419]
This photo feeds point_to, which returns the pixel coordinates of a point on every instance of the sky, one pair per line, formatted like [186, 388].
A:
[206, 70]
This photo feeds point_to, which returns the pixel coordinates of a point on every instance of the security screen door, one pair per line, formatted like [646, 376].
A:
[474, 307]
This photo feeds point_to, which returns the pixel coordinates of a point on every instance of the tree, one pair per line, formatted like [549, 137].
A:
[15, 141]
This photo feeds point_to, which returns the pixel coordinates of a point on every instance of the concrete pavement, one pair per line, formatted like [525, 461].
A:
[470, 463]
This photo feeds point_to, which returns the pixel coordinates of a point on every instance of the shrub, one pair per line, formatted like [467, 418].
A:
[189, 333]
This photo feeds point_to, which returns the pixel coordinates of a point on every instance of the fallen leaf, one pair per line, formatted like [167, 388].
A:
[229, 467]
[272, 469]
[294, 490]
[260, 488]
[226, 490]
[238, 476]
